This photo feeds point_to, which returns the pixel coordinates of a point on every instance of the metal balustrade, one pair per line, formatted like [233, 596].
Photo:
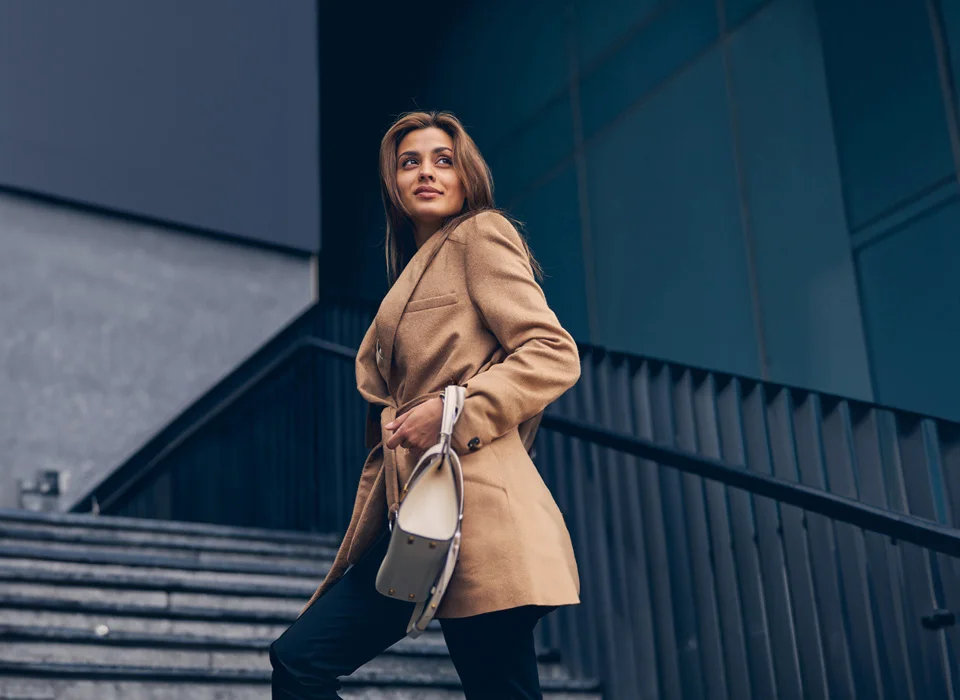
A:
[694, 587]
[736, 539]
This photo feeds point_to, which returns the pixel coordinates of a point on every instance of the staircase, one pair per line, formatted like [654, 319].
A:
[104, 608]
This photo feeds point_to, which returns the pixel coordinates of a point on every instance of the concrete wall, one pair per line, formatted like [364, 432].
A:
[766, 188]
[109, 328]
[197, 113]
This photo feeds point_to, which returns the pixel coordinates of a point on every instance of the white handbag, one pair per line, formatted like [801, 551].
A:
[425, 534]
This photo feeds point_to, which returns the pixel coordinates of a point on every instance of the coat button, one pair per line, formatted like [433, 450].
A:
[474, 443]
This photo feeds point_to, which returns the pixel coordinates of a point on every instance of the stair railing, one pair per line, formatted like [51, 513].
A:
[736, 538]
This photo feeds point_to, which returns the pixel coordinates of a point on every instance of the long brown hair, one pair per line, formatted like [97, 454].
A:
[468, 164]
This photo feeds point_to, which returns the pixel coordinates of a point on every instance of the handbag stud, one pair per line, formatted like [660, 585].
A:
[392, 591]
[413, 596]
[433, 545]
[410, 540]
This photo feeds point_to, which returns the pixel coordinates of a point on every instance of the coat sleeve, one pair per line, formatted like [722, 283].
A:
[542, 360]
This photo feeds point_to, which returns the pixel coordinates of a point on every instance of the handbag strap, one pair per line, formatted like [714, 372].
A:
[453, 399]
[424, 611]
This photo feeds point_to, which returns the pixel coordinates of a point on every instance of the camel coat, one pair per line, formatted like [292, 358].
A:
[467, 310]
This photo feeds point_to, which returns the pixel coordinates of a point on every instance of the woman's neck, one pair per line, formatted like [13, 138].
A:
[423, 231]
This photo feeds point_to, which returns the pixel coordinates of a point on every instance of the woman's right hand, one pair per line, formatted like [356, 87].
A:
[418, 429]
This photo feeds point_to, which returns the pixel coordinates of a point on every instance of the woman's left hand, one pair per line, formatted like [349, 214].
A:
[418, 429]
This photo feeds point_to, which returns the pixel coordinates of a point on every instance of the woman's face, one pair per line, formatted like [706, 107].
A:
[429, 187]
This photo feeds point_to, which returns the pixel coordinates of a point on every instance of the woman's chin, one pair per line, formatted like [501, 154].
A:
[432, 215]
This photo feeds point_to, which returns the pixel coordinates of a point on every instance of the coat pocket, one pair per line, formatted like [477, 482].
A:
[431, 302]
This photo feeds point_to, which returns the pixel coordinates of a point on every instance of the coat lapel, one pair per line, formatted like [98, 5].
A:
[394, 303]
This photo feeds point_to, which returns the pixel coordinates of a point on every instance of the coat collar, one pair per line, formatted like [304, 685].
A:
[394, 303]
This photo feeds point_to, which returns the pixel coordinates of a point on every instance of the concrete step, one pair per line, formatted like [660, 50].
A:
[140, 571]
[157, 610]
[127, 616]
[87, 622]
[39, 595]
[109, 523]
[20, 682]
[190, 561]
[163, 543]
[136, 580]
[423, 659]
[99, 631]
[110, 608]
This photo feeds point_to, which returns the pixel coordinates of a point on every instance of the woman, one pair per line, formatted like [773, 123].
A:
[463, 308]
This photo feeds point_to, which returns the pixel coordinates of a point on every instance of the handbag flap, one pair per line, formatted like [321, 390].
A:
[431, 506]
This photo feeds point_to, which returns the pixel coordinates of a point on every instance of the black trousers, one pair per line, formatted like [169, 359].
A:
[352, 623]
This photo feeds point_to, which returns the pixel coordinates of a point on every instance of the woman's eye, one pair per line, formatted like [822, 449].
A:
[406, 162]
[448, 159]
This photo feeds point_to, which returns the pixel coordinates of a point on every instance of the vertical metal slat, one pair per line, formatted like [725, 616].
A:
[823, 554]
[948, 443]
[882, 556]
[773, 564]
[582, 519]
[841, 479]
[701, 556]
[661, 592]
[675, 520]
[636, 602]
[598, 515]
[733, 616]
[783, 459]
[906, 585]
[915, 470]
[745, 548]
